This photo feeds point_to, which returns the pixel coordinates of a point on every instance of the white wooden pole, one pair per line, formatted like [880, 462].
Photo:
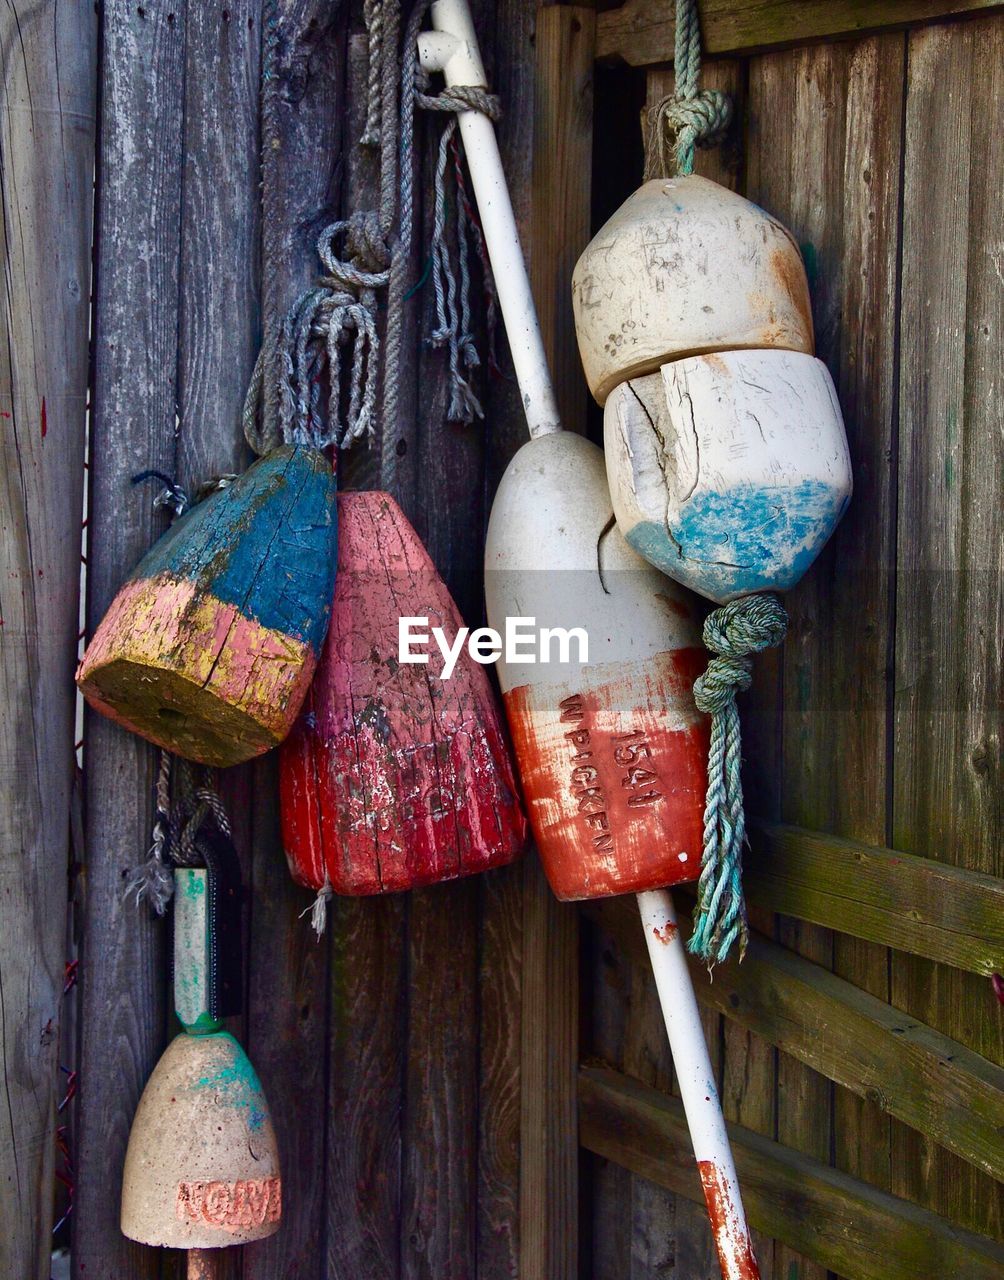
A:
[452, 48]
[696, 1080]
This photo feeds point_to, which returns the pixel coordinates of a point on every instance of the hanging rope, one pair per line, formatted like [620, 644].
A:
[733, 632]
[689, 117]
[332, 328]
[152, 881]
[176, 823]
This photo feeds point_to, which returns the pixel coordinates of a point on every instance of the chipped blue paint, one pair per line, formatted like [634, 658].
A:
[222, 542]
[236, 1083]
[730, 544]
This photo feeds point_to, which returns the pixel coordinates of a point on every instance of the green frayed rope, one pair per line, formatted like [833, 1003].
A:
[689, 117]
[733, 632]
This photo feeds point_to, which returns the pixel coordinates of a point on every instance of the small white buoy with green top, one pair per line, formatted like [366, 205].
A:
[202, 1166]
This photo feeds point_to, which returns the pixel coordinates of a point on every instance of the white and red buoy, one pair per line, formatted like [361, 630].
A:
[611, 750]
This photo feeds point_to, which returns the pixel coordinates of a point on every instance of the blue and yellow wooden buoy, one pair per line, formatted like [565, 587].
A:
[210, 646]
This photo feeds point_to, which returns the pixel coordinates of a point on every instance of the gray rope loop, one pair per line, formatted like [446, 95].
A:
[366, 259]
[462, 97]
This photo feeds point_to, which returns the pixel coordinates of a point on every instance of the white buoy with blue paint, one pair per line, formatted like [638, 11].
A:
[729, 471]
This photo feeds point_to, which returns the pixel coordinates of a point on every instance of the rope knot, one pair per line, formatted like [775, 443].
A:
[724, 678]
[747, 625]
[733, 632]
[689, 117]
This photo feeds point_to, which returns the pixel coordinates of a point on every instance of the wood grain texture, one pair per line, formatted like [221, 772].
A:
[219, 316]
[562, 164]
[916, 904]
[559, 225]
[302, 163]
[840, 1222]
[907, 1069]
[950, 550]
[47, 125]
[510, 65]
[138, 216]
[641, 33]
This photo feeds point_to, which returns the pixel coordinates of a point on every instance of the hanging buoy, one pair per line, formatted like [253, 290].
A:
[202, 1165]
[685, 266]
[209, 648]
[392, 777]
[725, 447]
[612, 750]
[729, 471]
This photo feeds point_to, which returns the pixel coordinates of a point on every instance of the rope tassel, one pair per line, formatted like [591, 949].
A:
[733, 632]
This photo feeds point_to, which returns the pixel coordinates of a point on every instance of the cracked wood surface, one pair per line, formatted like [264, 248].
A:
[47, 104]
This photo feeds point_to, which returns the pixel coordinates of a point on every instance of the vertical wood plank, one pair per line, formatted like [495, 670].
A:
[123, 961]
[559, 227]
[47, 110]
[511, 72]
[442, 492]
[367, 1025]
[834, 180]
[950, 564]
[219, 317]
[301, 168]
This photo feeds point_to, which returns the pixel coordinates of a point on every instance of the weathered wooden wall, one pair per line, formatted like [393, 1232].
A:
[428, 1061]
[47, 106]
[389, 1050]
[879, 721]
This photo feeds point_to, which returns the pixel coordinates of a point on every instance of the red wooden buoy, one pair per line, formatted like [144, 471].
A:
[393, 778]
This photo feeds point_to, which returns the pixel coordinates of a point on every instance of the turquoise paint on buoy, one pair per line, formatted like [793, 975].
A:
[734, 543]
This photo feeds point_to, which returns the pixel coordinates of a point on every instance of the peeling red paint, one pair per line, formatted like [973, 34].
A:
[614, 774]
[45, 424]
[666, 934]
[732, 1238]
[997, 982]
[391, 780]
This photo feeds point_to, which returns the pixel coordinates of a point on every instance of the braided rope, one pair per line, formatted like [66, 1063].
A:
[689, 117]
[733, 632]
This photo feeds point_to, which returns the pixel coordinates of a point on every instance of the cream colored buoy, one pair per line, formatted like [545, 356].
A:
[685, 266]
[726, 452]
[729, 471]
[202, 1165]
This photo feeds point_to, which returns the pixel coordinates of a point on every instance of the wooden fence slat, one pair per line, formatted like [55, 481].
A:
[123, 961]
[559, 227]
[641, 31]
[916, 904]
[288, 1006]
[907, 1069]
[840, 1222]
[950, 551]
[219, 313]
[47, 124]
